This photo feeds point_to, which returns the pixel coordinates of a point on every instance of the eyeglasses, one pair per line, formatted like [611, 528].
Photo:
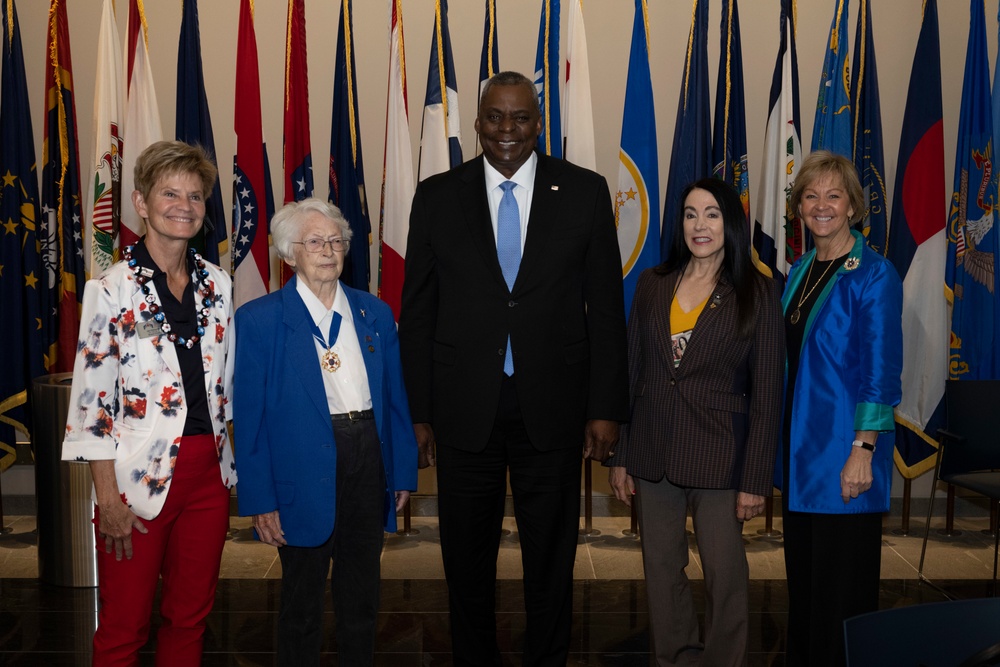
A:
[317, 245]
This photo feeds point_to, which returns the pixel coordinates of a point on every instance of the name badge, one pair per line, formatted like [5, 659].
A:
[148, 329]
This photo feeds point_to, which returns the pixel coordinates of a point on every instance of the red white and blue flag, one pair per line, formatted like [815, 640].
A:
[250, 253]
[440, 132]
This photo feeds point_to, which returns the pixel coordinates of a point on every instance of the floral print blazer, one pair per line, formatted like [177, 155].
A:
[127, 401]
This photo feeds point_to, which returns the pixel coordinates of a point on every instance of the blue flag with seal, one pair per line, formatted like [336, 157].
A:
[22, 275]
[917, 248]
[550, 141]
[971, 269]
[194, 126]
[347, 173]
[637, 199]
[869, 157]
[729, 143]
[832, 126]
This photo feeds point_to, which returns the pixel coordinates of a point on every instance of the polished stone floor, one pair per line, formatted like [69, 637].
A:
[47, 625]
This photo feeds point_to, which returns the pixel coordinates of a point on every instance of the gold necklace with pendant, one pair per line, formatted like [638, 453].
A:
[794, 319]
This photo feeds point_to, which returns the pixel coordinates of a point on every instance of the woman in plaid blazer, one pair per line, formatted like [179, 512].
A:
[706, 356]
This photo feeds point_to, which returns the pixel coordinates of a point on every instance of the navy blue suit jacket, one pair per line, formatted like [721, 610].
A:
[286, 453]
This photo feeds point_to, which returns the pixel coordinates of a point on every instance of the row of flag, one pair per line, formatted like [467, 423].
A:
[44, 258]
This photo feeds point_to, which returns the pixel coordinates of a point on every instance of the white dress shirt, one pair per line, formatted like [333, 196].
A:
[525, 180]
[347, 388]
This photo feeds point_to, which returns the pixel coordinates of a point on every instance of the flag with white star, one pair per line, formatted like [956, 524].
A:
[62, 225]
[21, 290]
[251, 268]
[637, 201]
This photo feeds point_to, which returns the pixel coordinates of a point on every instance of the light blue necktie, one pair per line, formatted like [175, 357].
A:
[508, 249]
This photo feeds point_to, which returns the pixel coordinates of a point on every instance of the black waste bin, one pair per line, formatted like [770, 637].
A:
[66, 549]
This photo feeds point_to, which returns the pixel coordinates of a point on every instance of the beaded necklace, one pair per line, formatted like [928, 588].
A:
[143, 275]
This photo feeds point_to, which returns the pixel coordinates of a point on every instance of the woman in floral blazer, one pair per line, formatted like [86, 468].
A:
[148, 412]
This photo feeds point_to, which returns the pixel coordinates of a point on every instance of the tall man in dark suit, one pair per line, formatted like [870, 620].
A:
[512, 335]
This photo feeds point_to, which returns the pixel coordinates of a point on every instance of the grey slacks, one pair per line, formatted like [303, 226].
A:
[674, 632]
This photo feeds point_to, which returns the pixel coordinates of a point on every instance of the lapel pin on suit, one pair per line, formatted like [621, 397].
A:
[555, 187]
[716, 300]
[362, 312]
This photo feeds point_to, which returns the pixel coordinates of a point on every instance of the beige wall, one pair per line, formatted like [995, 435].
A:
[609, 22]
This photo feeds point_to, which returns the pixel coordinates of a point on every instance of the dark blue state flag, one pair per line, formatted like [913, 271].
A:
[547, 71]
[194, 126]
[917, 248]
[21, 270]
[729, 143]
[489, 61]
[347, 173]
[832, 126]
[869, 158]
[691, 156]
[971, 269]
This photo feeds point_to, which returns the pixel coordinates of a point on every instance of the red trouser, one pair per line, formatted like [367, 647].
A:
[184, 545]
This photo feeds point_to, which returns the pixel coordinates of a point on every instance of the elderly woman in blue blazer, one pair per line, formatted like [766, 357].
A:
[843, 314]
[326, 447]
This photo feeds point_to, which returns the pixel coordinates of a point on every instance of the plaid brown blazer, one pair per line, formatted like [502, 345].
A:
[714, 421]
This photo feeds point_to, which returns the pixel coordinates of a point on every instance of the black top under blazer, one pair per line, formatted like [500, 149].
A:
[712, 422]
[565, 315]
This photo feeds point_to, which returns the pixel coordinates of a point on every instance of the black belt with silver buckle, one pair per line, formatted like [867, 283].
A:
[354, 415]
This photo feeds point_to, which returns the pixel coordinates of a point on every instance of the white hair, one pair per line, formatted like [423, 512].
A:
[286, 223]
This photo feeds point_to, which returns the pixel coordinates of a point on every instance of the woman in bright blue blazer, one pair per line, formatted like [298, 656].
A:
[326, 447]
[843, 310]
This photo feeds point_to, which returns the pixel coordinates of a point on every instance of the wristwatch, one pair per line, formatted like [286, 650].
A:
[864, 445]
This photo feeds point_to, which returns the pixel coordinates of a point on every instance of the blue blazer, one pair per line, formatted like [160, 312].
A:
[286, 453]
[848, 380]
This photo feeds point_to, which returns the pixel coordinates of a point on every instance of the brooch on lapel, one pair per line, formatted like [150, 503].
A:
[851, 263]
[362, 312]
[716, 300]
